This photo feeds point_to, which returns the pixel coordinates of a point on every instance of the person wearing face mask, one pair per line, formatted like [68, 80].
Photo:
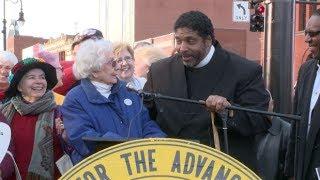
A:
[101, 106]
[304, 146]
[7, 61]
[124, 56]
[201, 69]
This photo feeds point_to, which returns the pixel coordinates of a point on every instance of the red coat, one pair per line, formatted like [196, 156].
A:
[68, 78]
[2, 96]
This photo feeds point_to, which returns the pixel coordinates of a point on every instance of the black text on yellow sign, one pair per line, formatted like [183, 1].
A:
[160, 159]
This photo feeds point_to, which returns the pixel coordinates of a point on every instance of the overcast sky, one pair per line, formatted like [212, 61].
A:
[50, 18]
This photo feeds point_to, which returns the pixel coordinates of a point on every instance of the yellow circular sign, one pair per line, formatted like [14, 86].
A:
[160, 158]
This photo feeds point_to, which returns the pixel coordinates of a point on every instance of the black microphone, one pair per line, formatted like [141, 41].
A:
[140, 92]
[132, 88]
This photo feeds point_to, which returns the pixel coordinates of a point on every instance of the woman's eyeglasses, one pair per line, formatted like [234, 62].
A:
[112, 62]
[126, 59]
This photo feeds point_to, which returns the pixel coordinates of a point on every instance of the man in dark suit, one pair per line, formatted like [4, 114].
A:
[202, 68]
[304, 148]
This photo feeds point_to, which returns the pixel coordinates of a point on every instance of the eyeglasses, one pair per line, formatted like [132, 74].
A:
[7, 68]
[112, 62]
[85, 35]
[311, 33]
[126, 59]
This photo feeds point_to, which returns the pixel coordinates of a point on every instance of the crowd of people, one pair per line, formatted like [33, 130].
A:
[52, 105]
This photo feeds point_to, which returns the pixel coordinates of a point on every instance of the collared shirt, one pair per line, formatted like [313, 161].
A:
[207, 59]
[314, 96]
[103, 89]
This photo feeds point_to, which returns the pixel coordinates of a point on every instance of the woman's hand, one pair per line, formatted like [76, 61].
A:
[60, 128]
[59, 125]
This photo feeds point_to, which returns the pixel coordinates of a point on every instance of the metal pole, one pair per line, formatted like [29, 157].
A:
[267, 43]
[4, 30]
[225, 133]
[21, 6]
[281, 55]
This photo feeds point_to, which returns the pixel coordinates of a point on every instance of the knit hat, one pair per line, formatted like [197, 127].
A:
[23, 67]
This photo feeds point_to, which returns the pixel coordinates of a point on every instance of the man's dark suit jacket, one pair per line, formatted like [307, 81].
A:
[228, 75]
[304, 148]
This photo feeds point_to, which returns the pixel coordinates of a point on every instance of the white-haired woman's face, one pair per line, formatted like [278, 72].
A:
[125, 62]
[106, 74]
[5, 67]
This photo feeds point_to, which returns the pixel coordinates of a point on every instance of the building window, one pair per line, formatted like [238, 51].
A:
[302, 17]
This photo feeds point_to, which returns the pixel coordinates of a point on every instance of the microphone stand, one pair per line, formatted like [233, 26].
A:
[224, 116]
[237, 108]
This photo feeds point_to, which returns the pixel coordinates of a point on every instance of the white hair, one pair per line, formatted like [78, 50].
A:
[8, 56]
[90, 57]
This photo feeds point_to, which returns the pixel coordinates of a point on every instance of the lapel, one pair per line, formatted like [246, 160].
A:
[309, 78]
[313, 131]
[177, 79]
[216, 70]
[305, 96]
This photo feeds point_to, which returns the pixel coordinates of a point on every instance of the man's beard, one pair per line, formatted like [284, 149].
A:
[191, 63]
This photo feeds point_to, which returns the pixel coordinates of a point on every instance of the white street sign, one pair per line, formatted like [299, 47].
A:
[241, 11]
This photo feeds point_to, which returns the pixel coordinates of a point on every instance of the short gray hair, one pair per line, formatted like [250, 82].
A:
[8, 56]
[90, 57]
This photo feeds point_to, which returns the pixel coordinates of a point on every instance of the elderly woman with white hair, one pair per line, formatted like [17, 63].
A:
[101, 106]
[7, 61]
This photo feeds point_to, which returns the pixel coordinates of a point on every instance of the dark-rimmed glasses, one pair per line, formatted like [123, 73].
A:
[311, 33]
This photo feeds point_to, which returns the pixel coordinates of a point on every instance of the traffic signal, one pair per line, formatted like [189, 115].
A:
[257, 18]
[253, 3]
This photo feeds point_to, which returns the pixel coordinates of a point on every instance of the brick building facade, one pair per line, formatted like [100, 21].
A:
[153, 22]
[155, 19]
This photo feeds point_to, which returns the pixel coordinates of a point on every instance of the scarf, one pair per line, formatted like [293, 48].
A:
[42, 163]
